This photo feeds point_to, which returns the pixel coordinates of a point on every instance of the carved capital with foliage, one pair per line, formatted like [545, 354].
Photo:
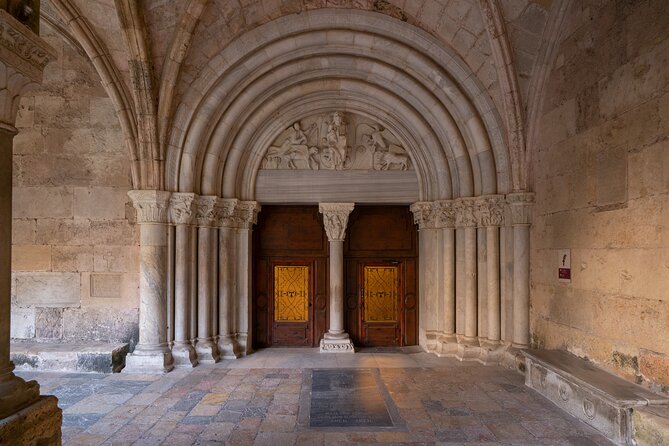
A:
[246, 214]
[335, 219]
[205, 215]
[466, 214]
[490, 210]
[150, 205]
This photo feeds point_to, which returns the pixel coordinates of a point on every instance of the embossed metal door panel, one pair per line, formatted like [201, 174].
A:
[380, 303]
[291, 303]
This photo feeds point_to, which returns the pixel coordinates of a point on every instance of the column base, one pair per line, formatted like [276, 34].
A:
[37, 423]
[243, 346]
[15, 393]
[149, 361]
[184, 354]
[227, 348]
[447, 346]
[336, 343]
[207, 351]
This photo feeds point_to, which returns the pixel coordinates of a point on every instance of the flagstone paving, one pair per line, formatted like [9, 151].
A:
[260, 400]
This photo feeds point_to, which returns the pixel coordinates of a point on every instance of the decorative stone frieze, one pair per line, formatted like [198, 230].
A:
[207, 209]
[22, 49]
[182, 208]
[335, 219]
[245, 214]
[520, 207]
[490, 210]
[466, 215]
[151, 205]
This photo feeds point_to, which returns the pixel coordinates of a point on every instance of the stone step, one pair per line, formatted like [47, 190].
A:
[100, 357]
[597, 397]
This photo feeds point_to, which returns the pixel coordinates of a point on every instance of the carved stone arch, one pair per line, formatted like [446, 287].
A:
[197, 115]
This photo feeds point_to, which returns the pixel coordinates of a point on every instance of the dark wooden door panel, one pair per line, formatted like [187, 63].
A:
[381, 235]
[289, 236]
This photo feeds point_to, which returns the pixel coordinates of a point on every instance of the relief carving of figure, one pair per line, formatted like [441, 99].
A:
[334, 153]
[324, 144]
[294, 153]
[387, 156]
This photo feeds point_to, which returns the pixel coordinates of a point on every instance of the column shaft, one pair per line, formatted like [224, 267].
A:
[336, 287]
[182, 350]
[460, 281]
[243, 326]
[470, 284]
[492, 240]
[521, 286]
[205, 348]
[226, 287]
[448, 247]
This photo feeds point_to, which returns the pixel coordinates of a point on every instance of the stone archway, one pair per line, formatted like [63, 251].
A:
[368, 65]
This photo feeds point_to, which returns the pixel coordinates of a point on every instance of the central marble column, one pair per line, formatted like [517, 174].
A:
[335, 219]
[151, 353]
[466, 219]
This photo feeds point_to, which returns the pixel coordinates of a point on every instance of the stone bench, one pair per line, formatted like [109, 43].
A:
[100, 357]
[600, 399]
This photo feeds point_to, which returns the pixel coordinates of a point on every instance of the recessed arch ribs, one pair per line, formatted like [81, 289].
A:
[260, 82]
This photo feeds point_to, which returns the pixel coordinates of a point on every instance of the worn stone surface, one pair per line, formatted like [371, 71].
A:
[37, 424]
[600, 177]
[257, 400]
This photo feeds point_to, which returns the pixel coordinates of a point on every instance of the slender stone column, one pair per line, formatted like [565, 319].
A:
[447, 218]
[207, 268]
[466, 219]
[246, 215]
[335, 219]
[227, 279]
[152, 353]
[492, 216]
[181, 214]
[520, 206]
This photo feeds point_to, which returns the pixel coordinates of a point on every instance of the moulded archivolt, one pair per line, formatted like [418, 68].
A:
[337, 141]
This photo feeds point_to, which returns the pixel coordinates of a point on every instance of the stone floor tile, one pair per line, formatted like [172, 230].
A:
[275, 439]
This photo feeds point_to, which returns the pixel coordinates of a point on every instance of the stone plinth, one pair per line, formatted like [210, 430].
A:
[598, 398]
[36, 424]
[331, 344]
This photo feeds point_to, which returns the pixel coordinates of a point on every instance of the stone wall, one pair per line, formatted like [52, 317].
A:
[601, 175]
[75, 255]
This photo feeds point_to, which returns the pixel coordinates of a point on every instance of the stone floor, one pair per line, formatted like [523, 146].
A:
[258, 400]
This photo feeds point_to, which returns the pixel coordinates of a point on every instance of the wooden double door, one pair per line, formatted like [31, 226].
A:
[290, 278]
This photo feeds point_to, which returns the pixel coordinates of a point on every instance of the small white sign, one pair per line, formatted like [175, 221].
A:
[564, 265]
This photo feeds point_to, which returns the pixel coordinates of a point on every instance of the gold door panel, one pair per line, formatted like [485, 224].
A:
[380, 293]
[291, 293]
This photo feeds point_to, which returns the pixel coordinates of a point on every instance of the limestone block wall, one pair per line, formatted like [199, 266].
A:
[75, 255]
[601, 177]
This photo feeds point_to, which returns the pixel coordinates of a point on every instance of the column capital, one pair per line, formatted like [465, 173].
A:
[246, 214]
[205, 215]
[520, 207]
[490, 210]
[225, 211]
[335, 219]
[151, 205]
[466, 212]
[182, 208]
[434, 214]
[425, 214]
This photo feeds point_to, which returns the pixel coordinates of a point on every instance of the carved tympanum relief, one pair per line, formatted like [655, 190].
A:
[337, 141]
